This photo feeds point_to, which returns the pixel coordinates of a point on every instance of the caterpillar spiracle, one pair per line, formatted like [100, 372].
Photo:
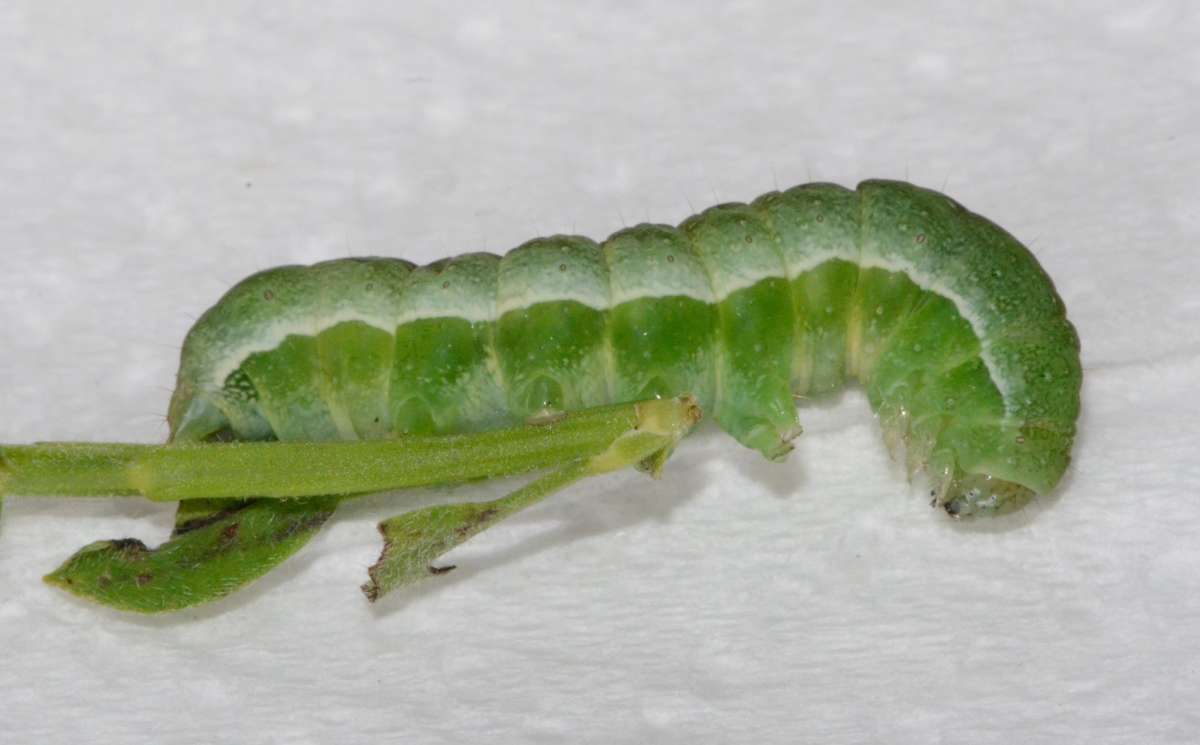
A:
[949, 323]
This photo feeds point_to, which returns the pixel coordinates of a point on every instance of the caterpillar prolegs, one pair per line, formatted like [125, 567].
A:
[951, 326]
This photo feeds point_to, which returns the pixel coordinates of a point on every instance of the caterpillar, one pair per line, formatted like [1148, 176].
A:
[583, 357]
[950, 325]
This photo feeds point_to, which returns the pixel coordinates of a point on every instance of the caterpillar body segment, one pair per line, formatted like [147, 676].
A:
[951, 326]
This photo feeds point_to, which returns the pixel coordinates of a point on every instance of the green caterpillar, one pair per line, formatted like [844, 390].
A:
[950, 324]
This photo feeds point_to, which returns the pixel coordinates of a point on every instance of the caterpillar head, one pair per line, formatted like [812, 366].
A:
[980, 494]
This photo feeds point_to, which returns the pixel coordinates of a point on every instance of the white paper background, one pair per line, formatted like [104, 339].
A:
[151, 154]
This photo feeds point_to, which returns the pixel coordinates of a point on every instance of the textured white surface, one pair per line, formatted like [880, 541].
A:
[151, 154]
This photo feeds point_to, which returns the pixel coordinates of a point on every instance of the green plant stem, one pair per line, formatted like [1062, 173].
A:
[300, 469]
[414, 539]
[214, 554]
